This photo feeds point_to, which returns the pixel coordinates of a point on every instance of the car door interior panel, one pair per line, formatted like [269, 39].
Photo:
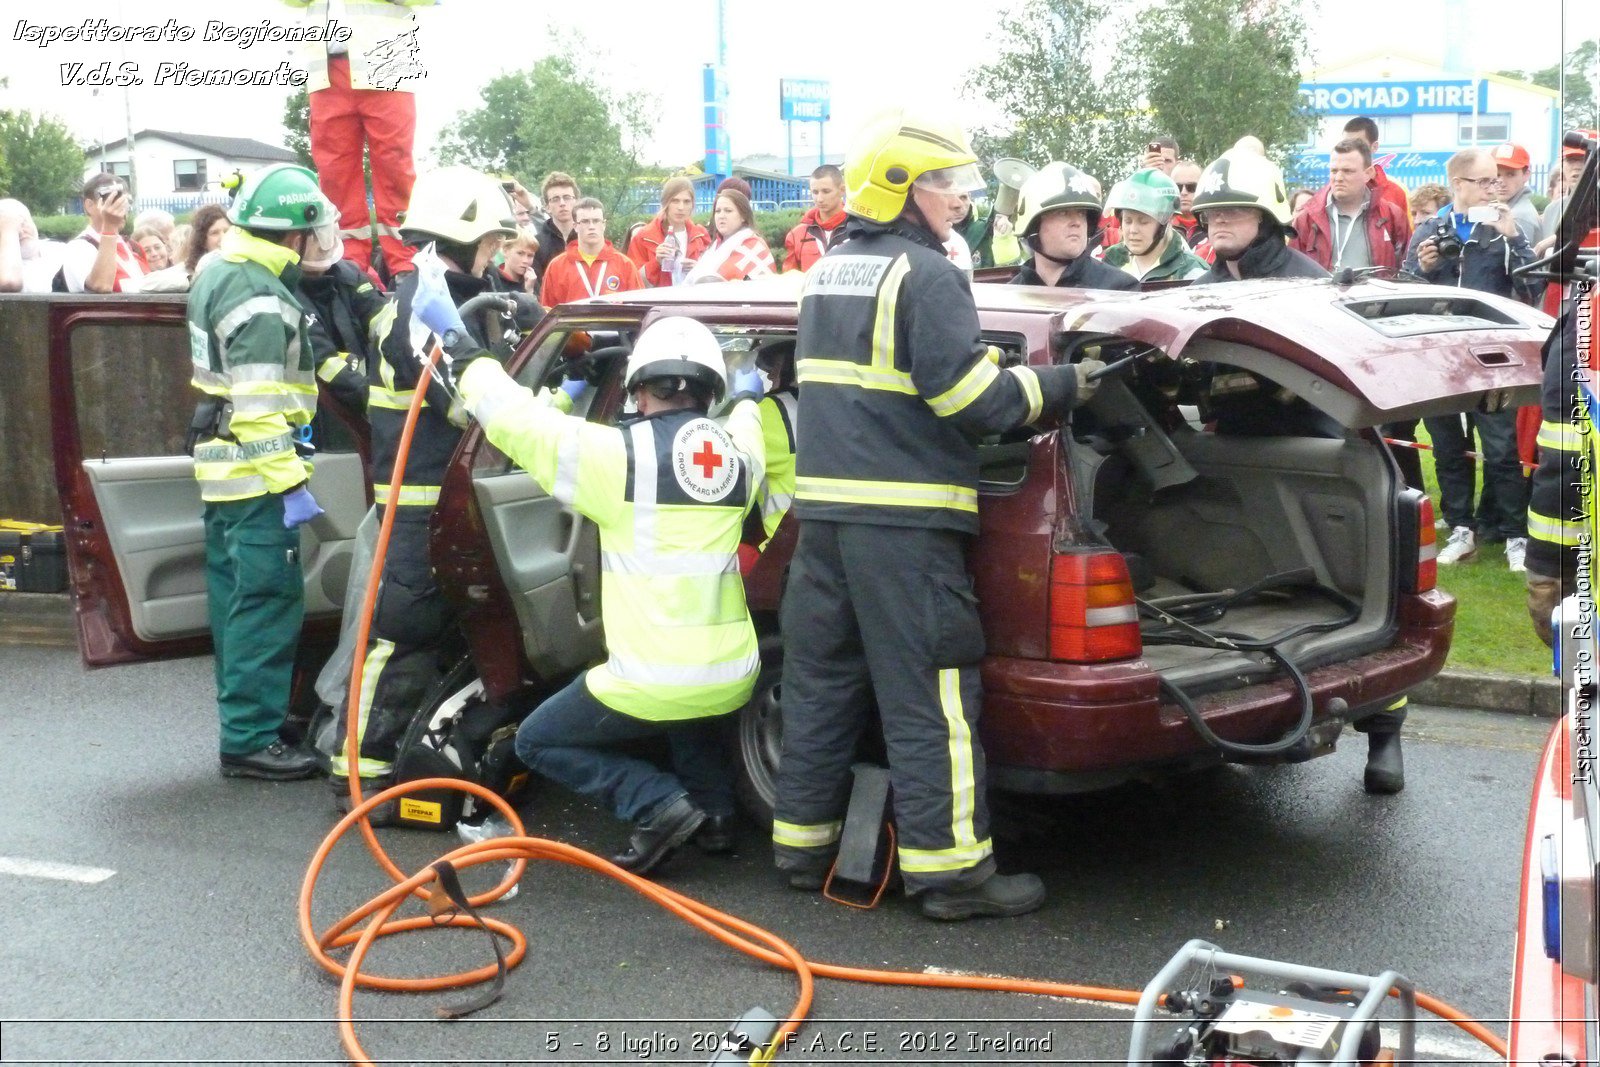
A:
[153, 517]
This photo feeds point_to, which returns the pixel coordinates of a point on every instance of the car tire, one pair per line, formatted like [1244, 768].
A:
[758, 739]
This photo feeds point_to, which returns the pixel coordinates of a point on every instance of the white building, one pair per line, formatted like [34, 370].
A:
[184, 168]
[1425, 114]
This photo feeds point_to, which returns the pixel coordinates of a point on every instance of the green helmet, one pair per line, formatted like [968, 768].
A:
[284, 196]
[1148, 191]
[1053, 187]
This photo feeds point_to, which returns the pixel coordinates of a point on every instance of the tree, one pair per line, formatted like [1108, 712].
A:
[43, 164]
[1212, 71]
[297, 120]
[555, 117]
[1056, 105]
[1577, 79]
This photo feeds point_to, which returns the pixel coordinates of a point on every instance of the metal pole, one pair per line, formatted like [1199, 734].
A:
[788, 132]
[822, 152]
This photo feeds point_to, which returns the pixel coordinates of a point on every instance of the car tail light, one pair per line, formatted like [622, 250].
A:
[1427, 548]
[1093, 617]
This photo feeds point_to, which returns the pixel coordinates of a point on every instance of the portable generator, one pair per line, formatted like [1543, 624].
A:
[1302, 1015]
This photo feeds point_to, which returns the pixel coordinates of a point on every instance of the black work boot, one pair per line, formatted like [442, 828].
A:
[996, 895]
[716, 835]
[659, 836]
[385, 814]
[1386, 771]
[276, 763]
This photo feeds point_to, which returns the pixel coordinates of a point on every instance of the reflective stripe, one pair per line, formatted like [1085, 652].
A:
[963, 783]
[267, 446]
[629, 669]
[687, 564]
[1030, 391]
[1399, 702]
[933, 860]
[799, 835]
[1112, 616]
[1555, 531]
[331, 368]
[377, 659]
[565, 487]
[843, 372]
[493, 402]
[888, 304]
[240, 488]
[776, 503]
[394, 400]
[207, 380]
[269, 403]
[971, 386]
[1560, 436]
[895, 494]
[410, 495]
[218, 452]
[644, 487]
[242, 373]
[357, 233]
[229, 324]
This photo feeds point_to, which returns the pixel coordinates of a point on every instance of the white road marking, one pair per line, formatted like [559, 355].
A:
[1448, 1045]
[60, 872]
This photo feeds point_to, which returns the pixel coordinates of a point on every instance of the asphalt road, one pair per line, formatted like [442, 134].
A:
[189, 952]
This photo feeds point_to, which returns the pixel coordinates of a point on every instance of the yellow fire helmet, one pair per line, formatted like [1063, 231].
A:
[457, 204]
[899, 149]
[1241, 178]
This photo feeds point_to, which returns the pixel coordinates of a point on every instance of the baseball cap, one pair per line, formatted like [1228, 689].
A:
[1511, 155]
[1578, 153]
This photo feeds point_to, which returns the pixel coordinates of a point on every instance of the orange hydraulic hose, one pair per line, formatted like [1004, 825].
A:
[728, 929]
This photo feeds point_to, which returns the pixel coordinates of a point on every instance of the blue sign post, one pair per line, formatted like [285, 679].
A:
[718, 161]
[803, 100]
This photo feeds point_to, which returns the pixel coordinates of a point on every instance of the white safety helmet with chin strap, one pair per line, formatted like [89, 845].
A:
[457, 205]
[678, 347]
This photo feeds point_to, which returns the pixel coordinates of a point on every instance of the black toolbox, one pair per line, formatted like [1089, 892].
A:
[42, 567]
[10, 558]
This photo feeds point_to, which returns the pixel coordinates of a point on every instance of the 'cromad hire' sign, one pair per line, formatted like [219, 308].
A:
[1393, 98]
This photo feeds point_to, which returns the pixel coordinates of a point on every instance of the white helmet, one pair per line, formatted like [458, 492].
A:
[459, 205]
[678, 347]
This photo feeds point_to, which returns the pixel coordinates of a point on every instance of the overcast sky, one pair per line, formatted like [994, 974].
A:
[661, 47]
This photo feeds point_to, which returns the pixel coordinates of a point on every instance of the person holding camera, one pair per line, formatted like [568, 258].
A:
[99, 260]
[1476, 244]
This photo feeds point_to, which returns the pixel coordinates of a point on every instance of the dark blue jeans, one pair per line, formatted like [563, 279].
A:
[1504, 510]
[570, 739]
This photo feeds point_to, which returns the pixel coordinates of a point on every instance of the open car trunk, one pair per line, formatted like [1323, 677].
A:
[1260, 507]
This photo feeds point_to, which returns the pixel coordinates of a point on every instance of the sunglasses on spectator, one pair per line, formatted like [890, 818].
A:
[1187, 187]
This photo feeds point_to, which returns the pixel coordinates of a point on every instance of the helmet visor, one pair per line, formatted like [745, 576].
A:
[963, 178]
[324, 246]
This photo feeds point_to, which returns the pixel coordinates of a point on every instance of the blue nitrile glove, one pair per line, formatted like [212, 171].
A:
[299, 506]
[431, 303]
[747, 382]
[574, 388]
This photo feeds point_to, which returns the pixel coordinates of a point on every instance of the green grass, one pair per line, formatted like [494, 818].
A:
[1492, 628]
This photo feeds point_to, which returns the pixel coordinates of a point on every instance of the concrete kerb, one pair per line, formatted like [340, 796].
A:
[46, 619]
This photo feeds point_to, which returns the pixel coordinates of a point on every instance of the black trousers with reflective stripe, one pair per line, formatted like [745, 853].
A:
[402, 654]
[885, 613]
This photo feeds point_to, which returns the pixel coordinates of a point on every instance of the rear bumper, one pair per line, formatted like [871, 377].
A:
[1063, 727]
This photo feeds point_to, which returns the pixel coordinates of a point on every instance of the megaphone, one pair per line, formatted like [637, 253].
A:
[1011, 173]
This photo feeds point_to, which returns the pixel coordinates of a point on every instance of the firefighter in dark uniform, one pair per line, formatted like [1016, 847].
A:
[1244, 205]
[1558, 522]
[1058, 212]
[895, 388]
[465, 214]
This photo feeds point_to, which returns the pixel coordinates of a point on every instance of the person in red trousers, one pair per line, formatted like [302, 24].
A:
[361, 78]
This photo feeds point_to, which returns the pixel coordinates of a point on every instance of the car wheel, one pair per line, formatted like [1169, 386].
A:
[759, 741]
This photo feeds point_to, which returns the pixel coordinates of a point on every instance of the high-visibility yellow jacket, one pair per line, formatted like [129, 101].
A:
[247, 337]
[378, 35]
[1561, 510]
[669, 494]
[779, 413]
